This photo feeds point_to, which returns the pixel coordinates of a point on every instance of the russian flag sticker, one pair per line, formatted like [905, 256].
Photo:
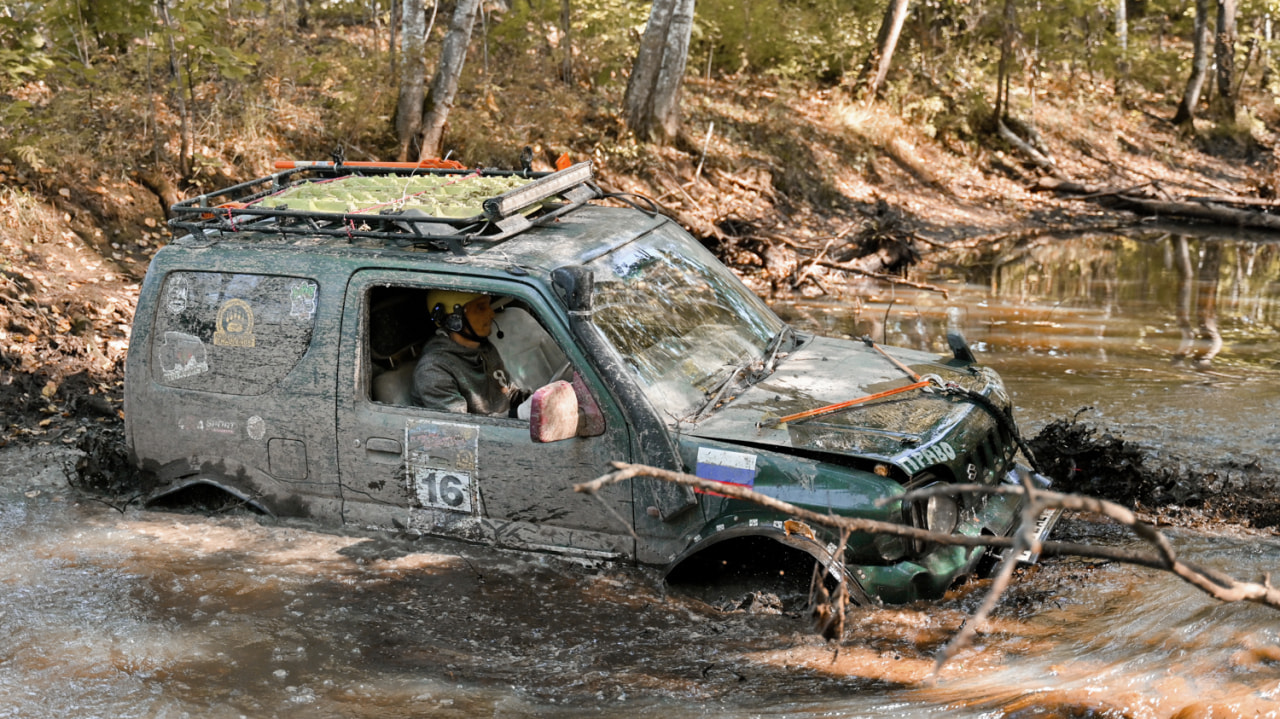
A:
[730, 467]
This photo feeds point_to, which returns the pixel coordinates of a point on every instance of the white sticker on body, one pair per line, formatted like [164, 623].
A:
[937, 453]
[440, 463]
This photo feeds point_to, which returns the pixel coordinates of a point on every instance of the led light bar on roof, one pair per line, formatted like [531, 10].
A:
[509, 203]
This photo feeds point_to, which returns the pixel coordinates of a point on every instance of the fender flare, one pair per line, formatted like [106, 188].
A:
[194, 480]
[794, 540]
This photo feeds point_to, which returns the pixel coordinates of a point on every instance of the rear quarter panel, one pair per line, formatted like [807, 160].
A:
[276, 446]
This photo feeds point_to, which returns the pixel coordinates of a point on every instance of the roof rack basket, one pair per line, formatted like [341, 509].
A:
[410, 207]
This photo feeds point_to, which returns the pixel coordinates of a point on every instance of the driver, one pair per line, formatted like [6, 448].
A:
[460, 370]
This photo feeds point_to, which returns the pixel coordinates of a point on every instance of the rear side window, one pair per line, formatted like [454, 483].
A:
[231, 333]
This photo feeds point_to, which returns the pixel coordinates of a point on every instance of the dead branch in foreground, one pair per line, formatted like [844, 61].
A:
[1212, 582]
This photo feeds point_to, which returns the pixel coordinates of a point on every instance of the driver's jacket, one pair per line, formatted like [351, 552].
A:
[453, 378]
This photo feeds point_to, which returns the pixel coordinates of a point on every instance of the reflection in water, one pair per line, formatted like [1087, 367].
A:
[1203, 285]
[1105, 295]
[1176, 340]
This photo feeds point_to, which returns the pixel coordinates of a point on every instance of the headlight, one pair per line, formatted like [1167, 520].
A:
[941, 514]
[937, 514]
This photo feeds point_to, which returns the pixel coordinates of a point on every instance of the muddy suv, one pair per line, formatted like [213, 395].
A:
[274, 346]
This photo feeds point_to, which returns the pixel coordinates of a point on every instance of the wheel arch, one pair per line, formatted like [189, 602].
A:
[789, 536]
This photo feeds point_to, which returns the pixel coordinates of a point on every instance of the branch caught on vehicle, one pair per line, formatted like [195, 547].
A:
[1216, 584]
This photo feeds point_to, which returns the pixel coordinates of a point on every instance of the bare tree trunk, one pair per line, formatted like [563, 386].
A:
[393, 26]
[1199, 66]
[1265, 82]
[1224, 55]
[876, 67]
[1122, 25]
[413, 78]
[444, 86]
[304, 15]
[1007, 32]
[653, 92]
[1122, 40]
[175, 79]
[566, 43]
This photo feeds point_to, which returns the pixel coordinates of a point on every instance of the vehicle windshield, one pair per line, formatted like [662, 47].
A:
[682, 321]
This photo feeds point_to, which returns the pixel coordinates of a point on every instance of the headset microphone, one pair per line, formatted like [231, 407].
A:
[497, 329]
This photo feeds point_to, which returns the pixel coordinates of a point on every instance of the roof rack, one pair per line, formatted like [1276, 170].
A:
[435, 204]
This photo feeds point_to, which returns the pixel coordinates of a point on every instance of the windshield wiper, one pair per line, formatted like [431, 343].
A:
[758, 371]
[717, 391]
[772, 350]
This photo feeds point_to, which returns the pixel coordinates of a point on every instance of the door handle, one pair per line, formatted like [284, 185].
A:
[382, 444]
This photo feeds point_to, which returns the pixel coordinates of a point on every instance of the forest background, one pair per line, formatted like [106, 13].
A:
[807, 142]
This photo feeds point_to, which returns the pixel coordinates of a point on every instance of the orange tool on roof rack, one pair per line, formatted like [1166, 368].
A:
[428, 164]
[224, 206]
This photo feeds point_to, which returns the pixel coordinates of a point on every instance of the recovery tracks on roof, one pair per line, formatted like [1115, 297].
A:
[408, 204]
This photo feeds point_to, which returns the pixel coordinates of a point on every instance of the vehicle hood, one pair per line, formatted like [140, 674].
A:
[825, 371]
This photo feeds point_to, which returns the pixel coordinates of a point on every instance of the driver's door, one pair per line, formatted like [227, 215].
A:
[472, 477]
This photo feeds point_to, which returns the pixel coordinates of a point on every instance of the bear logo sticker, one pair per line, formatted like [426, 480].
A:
[235, 325]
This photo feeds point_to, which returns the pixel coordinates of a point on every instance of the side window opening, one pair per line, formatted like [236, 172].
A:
[400, 324]
[400, 327]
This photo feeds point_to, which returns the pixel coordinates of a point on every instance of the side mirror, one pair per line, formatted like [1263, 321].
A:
[575, 285]
[960, 348]
[553, 413]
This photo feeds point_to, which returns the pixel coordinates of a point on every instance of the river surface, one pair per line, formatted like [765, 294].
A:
[1172, 341]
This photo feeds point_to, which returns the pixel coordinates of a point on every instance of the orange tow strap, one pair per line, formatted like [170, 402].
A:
[841, 405]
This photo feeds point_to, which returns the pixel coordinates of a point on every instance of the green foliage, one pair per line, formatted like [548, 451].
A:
[1234, 139]
[78, 31]
[603, 34]
[22, 52]
[13, 113]
[203, 42]
[1157, 70]
[923, 112]
[790, 38]
[254, 87]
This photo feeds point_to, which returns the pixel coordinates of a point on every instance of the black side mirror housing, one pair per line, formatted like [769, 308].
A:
[960, 348]
[575, 285]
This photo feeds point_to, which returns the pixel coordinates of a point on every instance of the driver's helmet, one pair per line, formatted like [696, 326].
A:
[446, 308]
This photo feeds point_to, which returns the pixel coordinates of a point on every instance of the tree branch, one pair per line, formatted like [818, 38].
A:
[1216, 584]
[847, 267]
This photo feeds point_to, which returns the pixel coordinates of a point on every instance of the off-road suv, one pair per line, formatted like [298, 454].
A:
[274, 346]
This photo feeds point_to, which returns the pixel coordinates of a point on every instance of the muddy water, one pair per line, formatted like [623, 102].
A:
[146, 614]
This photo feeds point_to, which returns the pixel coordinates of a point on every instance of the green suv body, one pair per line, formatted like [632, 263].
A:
[272, 356]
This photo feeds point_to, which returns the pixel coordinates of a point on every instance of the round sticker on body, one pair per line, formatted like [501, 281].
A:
[256, 427]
